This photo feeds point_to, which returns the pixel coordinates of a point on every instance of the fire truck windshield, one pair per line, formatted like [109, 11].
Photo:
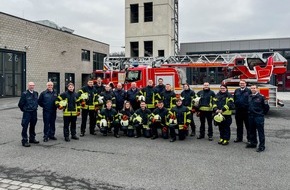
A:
[133, 76]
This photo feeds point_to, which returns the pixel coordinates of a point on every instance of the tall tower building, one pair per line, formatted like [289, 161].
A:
[151, 28]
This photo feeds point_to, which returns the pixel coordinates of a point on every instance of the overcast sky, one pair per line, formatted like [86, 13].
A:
[199, 20]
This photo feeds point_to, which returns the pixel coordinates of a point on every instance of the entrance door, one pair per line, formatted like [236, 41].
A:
[54, 77]
[11, 74]
[69, 77]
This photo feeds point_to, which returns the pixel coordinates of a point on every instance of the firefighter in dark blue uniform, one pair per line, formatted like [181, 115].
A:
[143, 124]
[160, 122]
[241, 98]
[111, 116]
[88, 104]
[28, 104]
[99, 86]
[258, 107]
[160, 87]
[224, 104]
[150, 94]
[108, 95]
[47, 102]
[132, 96]
[182, 115]
[69, 102]
[120, 96]
[188, 96]
[205, 110]
[126, 115]
[168, 97]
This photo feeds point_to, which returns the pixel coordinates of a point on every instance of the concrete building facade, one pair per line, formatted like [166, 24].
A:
[151, 28]
[198, 75]
[30, 51]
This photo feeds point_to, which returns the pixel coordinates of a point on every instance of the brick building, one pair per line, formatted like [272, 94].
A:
[30, 51]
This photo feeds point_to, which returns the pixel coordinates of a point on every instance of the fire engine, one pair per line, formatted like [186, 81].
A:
[254, 68]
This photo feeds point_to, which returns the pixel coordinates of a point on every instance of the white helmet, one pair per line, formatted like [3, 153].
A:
[124, 123]
[196, 101]
[157, 118]
[100, 99]
[103, 123]
[84, 96]
[141, 98]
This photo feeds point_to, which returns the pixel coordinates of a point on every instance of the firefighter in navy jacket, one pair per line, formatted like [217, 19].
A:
[88, 105]
[151, 96]
[141, 121]
[28, 104]
[47, 101]
[108, 95]
[159, 120]
[125, 116]
[205, 110]
[69, 102]
[132, 96]
[182, 115]
[120, 96]
[168, 97]
[224, 104]
[188, 96]
[241, 98]
[258, 107]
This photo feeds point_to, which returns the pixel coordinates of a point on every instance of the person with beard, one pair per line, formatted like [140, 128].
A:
[69, 103]
[141, 121]
[88, 103]
[160, 87]
[224, 104]
[188, 96]
[151, 97]
[99, 86]
[132, 96]
[205, 110]
[160, 121]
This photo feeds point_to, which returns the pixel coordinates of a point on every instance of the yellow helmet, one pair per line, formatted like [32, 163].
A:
[219, 118]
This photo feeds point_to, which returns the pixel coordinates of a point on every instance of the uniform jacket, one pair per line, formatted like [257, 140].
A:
[188, 96]
[258, 106]
[144, 114]
[109, 95]
[92, 97]
[169, 99]
[241, 98]
[163, 113]
[224, 102]
[159, 88]
[110, 115]
[73, 107]
[28, 101]
[132, 97]
[47, 100]
[120, 96]
[182, 114]
[151, 96]
[99, 89]
[206, 100]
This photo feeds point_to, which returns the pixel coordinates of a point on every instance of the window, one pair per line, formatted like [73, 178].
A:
[133, 76]
[98, 61]
[134, 12]
[148, 12]
[148, 49]
[85, 55]
[160, 53]
[134, 49]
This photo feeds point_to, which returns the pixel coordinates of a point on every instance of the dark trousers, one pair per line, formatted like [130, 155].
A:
[224, 128]
[208, 116]
[181, 133]
[256, 123]
[192, 124]
[69, 121]
[242, 117]
[28, 118]
[92, 116]
[49, 118]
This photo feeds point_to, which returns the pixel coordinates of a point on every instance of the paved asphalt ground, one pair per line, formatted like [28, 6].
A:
[97, 162]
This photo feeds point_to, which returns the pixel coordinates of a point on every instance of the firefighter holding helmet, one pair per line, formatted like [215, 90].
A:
[108, 119]
[223, 106]
[125, 119]
[159, 120]
[141, 121]
[179, 117]
[150, 94]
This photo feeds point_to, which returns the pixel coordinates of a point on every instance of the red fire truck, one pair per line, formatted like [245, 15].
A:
[252, 67]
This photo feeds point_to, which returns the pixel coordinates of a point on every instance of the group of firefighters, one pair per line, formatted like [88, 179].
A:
[141, 112]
